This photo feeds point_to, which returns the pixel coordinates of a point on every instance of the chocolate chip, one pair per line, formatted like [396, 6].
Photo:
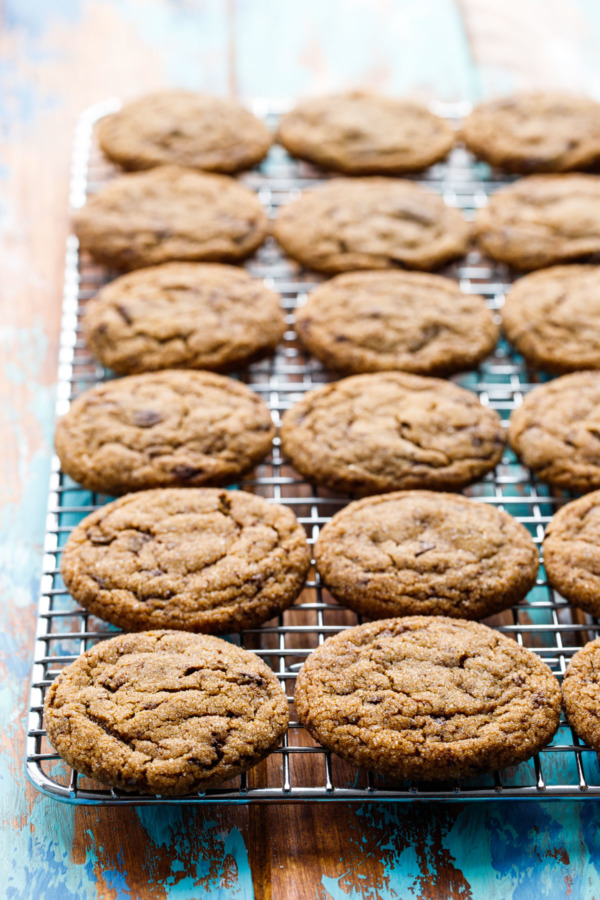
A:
[146, 418]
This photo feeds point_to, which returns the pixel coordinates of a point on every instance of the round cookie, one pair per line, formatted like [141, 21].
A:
[194, 559]
[418, 552]
[539, 131]
[184, 128]
[411, 321]
[165, 712]
[389, 431]
[163, 429]
[581, 694]
[170, 213]
[553, 318]
[183, 315]
[362, 133]
[542, 220]
[556, 431]
[427, 697]
[371, 223]
[572, 552]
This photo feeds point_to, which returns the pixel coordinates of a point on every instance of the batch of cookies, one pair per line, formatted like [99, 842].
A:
[421, 691]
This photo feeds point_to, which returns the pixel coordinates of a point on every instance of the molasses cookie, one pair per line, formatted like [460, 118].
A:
[581, 694]
[183, 315]
[427, 698]
[163, 429]
[164, 712]
[170, 213]
[572, 552]
[418, 552]
[361, 133]
[378, 321]
[371, 223]
[373, 433]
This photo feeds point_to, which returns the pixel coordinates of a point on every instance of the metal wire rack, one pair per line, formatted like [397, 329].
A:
[300, 769]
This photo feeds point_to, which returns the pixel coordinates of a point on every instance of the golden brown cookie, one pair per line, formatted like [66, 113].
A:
[553, 318]
[378, 321]
[362, 133]
[581, 694]
[184, 128]
[170, 213]
[164, 712]
[556, 431]
[427, 697]
[163, 429]
[419, 552]
[195, 559]
[373, 433]
[371, 223]
[572, 552]
[542, 220]
[183, 315]
[538, 131]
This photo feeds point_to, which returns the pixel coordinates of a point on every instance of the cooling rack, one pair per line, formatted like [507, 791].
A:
[300, 770]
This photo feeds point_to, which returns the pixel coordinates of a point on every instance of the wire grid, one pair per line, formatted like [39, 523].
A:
[300, 769]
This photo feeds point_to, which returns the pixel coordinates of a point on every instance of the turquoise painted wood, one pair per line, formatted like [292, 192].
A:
[55, 59]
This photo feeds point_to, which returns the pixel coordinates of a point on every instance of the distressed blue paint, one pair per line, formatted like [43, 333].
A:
[35, 16]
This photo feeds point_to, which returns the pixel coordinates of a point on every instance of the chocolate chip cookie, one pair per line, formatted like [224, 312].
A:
[170, 213]
[539, 131]
[187, 129]
[373, 433]
[572, 552]
[427, 698]
[163, 429]
[164, 712]
[378, 321]
[183, 315]
[556, 431]
[542, 220]
[371, 223]
[553, 318]
[581, 694]
[196, 559]
[362, 133]
[419, 552]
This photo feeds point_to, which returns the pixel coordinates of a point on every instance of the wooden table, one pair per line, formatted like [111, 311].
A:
[55, 59]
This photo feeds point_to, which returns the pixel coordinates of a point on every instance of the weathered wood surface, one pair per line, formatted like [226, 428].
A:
[55, 59]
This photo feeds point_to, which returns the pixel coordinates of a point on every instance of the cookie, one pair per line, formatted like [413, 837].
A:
[371, 223]
[163, 429]
[572, 552]
[427, 697]
[164, 712]
[553, 318]
[183, 315]
[170, 213]
[419, 552]
[362, 133]
[195, 559]
[581, 694]
[186, 129]
[539, 131]
[542, 220]
[389, 431]
[378, 321]
[556, 431]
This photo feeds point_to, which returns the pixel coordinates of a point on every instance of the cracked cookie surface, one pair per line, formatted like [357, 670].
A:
[163, 429]
[196, 559]
[185, 128]
[581, 693]
[389, 431]
[183, 315]
[542, 220]
[371, 223]
[419, 552]
[410, 321]
[427, 698]
[572, 552]
[556, 431]
[164, 712]
[170, 213]
[362, 133]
